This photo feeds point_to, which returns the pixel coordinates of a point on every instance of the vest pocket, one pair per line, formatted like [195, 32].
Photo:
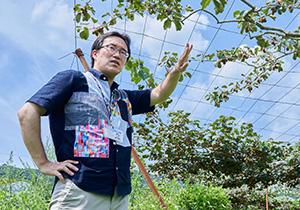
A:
[90, 141]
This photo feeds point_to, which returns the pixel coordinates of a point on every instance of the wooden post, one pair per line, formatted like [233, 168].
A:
[80, 55]
[267, 200]
[147, 177]
[138, 161]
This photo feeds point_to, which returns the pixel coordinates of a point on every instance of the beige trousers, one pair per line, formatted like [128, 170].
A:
[69, 196]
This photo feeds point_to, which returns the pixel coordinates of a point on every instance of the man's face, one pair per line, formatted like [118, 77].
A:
[108, 61]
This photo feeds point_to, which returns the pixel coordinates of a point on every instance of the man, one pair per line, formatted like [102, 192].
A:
[90, 123]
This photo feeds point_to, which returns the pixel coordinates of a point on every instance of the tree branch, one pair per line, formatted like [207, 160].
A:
[254, 9]
[248, 19]
[223, 21]
[186, 17]
[286, 33]
[265, 33]
[211, 14]
[248, 4]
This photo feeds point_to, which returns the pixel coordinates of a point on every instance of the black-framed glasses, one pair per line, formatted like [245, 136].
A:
[112, 49]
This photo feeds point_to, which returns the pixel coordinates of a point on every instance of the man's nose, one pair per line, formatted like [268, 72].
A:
[117, 53]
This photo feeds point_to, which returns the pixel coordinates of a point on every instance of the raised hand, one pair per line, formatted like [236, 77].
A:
[182, 61]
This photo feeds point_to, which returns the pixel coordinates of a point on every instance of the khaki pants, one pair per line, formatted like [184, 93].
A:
[69, 196]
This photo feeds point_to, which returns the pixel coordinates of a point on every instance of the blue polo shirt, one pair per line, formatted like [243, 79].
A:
[80, 106]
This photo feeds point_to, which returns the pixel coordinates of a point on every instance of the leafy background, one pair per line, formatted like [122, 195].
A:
[34, 40]
[39, 41]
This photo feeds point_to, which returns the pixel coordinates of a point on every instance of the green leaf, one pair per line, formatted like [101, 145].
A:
[178, 25]
[254, 28]
[223, 2]
[243, 26]
[84, 34]
[144, 75]
[164, 58]
[236, 13]
[205, 3]
[294, 56]
[167, 24]
[241, 15]
[141, 65]
[219, 7]
[78, 17]
[262, 42]
[106, 14]
[181, 78]
[221, 56]
[94, 20]
[141, 87]
[128, 65]
[188, 74]
[207, 97]
[218, 64]
[77, 7]
[266, 11]
[136, 79]
[86, 17]
[189, 8]
[269, 2]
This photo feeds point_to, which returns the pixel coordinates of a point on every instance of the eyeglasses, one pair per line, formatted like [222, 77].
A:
[112, 49]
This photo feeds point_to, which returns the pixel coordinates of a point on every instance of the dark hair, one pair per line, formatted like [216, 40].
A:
[99, 41]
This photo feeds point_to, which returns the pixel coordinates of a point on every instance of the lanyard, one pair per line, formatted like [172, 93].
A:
[108, 104]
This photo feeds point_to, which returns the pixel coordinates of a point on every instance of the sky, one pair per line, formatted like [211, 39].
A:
[38, 38]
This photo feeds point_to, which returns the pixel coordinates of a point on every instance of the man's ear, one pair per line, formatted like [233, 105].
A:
[94, 54]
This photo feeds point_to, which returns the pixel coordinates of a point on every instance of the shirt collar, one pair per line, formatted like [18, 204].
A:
[102, 77]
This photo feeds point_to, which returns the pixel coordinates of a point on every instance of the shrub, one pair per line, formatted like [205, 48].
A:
[24, 189]
[199, 196]
[141, 198]
[255, 199]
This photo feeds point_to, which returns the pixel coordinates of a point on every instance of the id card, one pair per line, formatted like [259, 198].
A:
[114, 134]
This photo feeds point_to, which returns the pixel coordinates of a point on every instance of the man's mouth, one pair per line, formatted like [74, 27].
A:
[115, 62]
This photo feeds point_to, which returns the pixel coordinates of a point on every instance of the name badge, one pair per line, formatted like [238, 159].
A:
[114, 134]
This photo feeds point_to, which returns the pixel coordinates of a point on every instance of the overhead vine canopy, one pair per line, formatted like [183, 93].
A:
[240, 84]
[244, 51]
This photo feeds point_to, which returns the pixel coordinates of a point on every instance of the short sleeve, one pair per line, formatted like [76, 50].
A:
[140, 101]
[58, 90]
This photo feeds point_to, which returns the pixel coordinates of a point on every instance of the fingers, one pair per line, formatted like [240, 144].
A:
[72, 161]
[70, 164]
[182, 62]
[184, 57]
[188, 50]
[184, 66]
[56, 168]
[67, 165]
[60, 177]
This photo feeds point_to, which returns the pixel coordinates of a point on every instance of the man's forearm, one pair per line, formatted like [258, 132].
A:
[165, 88]
[29, 117]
